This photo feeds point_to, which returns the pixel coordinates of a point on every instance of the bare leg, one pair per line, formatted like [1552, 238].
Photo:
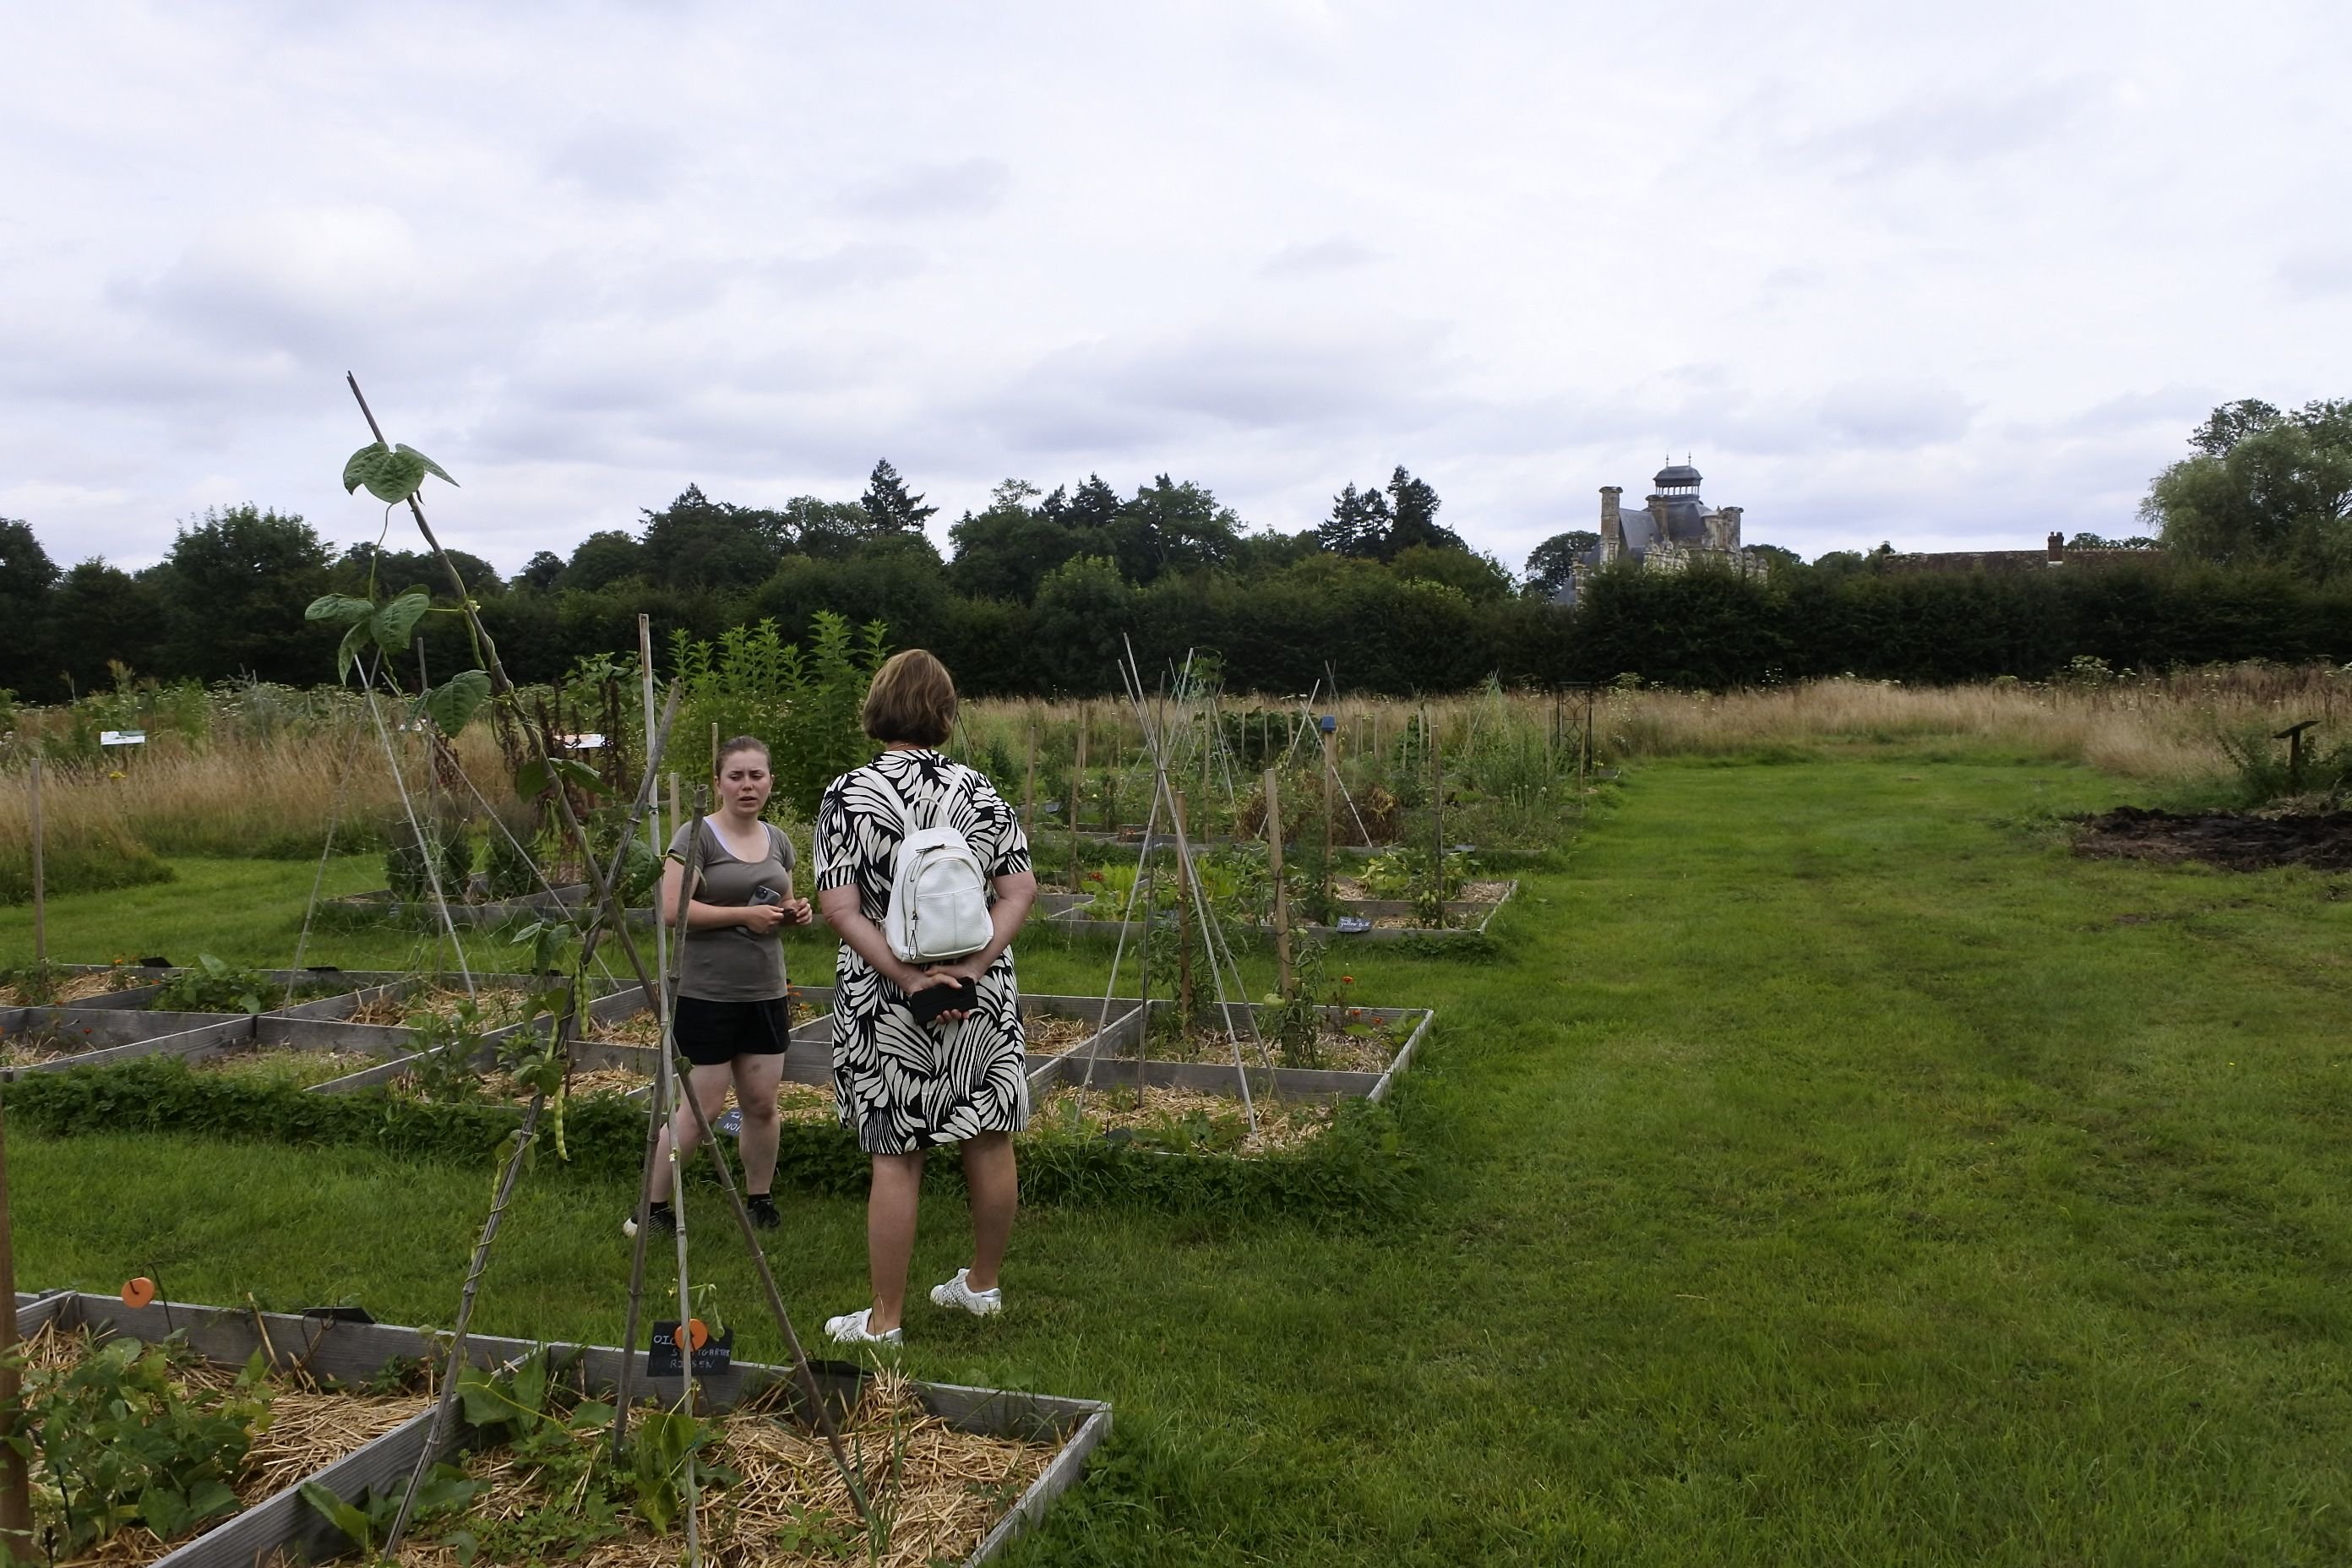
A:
[990, 1171]
[890, 1235]
[755, 1094]
[707, 1085]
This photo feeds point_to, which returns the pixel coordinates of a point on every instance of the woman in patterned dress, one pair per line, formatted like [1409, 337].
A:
[901, 1085]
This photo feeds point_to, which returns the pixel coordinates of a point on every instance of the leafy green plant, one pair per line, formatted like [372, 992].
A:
[507, 869]
[123, 1440]
[583, 1498]
[1295, 1021]
[447, 1046]
[214, 985]
[411, 876]
[803, 703]
[367, 1518]
[36, 984]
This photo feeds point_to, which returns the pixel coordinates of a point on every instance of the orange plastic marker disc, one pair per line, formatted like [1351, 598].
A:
[138, 1292]
[696, 1330]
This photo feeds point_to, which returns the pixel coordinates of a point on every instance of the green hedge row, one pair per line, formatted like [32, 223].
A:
[1359, 1170]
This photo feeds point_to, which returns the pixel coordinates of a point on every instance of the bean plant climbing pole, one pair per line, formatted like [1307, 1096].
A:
[395, 474]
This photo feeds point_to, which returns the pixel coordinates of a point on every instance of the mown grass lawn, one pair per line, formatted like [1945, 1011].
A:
[1833, 1170]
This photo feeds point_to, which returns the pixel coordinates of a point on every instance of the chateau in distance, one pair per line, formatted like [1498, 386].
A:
[1674, 528]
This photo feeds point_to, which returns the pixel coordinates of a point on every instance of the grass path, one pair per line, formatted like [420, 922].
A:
[1834, 1171]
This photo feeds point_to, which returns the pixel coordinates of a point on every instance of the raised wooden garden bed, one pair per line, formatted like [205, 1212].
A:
[311, 1429]
[1361, 920]
[1367, 1045]
[961, 1470]
[51, 1040]
[91, 986]
[1169, 1118]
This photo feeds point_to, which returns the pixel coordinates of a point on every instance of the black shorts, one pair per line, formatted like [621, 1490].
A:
[713, 1034]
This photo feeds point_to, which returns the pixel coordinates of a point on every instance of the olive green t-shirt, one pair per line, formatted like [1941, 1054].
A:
[729, 963]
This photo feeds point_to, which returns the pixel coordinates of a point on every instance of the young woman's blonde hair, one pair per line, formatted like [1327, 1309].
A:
[912, 700]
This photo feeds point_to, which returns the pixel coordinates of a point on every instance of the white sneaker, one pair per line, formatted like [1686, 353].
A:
[850, 1328]
[958, 1292]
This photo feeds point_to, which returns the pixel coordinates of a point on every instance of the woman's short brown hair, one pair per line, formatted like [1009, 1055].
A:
[740, 744]
[912, 700]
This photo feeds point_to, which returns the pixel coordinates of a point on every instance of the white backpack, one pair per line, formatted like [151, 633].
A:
[938, 895]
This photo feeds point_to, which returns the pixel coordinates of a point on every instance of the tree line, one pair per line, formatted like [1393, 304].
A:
[1041, 589]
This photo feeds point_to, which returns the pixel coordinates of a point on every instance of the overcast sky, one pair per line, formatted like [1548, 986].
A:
[1949, 276]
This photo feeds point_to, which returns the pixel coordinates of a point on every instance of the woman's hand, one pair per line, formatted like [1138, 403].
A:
[761, 919]
[930, 980]
[797, 913]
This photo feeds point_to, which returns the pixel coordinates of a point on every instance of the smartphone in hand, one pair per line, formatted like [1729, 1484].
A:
[928, 1004]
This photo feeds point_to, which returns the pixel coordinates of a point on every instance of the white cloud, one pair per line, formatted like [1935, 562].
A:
[1954, 276]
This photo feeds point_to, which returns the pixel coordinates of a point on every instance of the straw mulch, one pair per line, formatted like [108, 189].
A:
[1052, 1032]
[636, 1029]
[499, 1007]
[24, 1050]
[306, 1430]
[73, 988]
[939, 1491]
[1281, 1125]
[1336, 1049]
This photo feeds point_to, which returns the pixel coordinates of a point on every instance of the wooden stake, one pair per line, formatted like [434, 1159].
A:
[1029, 790]
[1077, 793]
[40, 880]
[1183, 920]
[16, 1485]
[1330, 783]
[1281, 893]
[1436, 817]
[714, 748]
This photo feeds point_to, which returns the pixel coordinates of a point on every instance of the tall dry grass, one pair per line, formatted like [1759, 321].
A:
[106, 825]
[2162, 728]
[2167, 729]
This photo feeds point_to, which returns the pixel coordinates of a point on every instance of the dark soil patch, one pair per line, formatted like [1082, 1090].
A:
[2228, 840]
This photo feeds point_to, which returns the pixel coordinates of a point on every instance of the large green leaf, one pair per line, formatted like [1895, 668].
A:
[341, 608]
[532, 780]
[450, 704]
[436, 469]
[339, 1513]
[389, 476]
[354, 641]
[395, 621]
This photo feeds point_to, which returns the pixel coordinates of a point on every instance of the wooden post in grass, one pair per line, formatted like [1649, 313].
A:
[40, 880]
[1330, 783]
[1281, 894]
[16, 1485]
[1029, 789]
[1077, 793]
[1436, 819]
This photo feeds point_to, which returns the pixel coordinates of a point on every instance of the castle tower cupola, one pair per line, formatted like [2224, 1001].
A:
[1677, 479]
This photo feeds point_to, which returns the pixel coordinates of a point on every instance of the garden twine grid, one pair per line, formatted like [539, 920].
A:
[306, 1431]
[940, 1490]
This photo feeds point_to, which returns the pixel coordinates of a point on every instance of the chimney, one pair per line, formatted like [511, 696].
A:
[1612, 524]
[2057, 548]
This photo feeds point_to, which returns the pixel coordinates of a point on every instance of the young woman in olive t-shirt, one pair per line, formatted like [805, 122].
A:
[733, 1021]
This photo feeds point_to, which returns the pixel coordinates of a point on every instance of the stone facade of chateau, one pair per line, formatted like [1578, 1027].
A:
[1673, 530]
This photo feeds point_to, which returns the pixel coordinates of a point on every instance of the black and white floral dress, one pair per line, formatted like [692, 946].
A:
[901, 1085]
